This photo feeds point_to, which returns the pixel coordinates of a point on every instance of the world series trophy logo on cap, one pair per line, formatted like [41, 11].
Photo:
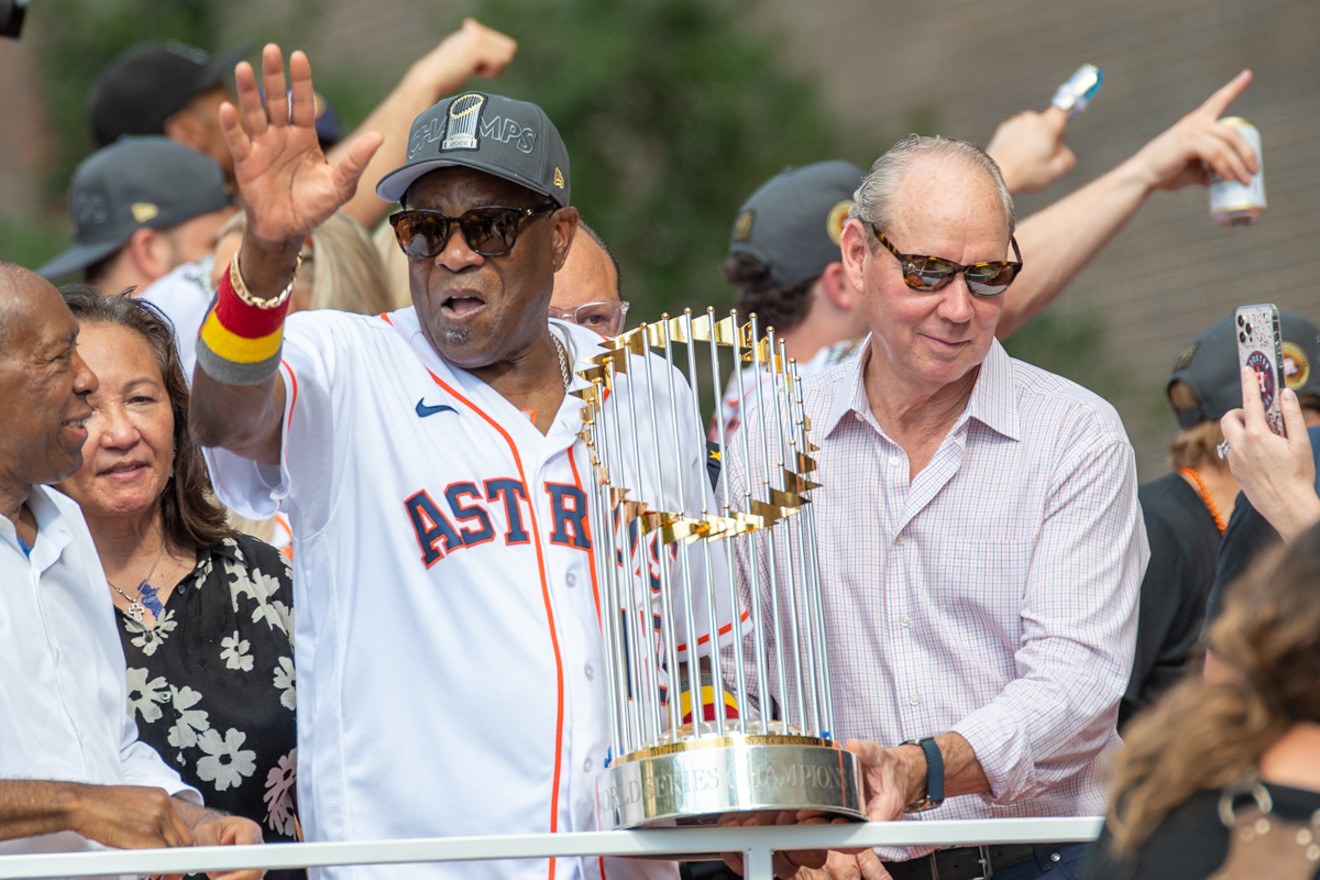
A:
[684, 745]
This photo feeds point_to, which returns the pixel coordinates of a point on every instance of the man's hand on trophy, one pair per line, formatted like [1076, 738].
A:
[893, 778]
[786, 863]
[865, 865]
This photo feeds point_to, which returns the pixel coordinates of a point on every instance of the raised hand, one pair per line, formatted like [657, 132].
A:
[1197, 146]
[1030, 151]
[472, 50]
[283, 178]
[1276, 473]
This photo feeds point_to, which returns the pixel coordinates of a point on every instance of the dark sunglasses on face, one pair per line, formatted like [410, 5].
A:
[489, 231]
[926, 273]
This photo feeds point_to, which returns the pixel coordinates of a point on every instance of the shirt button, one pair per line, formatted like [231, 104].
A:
[914, 700]
[894, 463]
[570, 579]
[586, 766]
[905, 620]
[899, 541]
[590, 672]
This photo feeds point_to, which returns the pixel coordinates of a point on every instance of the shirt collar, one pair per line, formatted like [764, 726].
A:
[992, 402]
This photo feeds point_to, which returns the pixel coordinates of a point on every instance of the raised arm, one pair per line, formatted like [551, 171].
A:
[1061, 240]
[289, 189]
[1029, 149]
[472, 50]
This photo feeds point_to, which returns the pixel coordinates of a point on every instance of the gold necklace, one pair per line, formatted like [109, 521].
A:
[563, 360]
[147, 598]
[1191, 474]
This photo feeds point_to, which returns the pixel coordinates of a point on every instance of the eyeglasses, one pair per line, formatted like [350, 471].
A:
[606, 318]
[922, 272]
[489, 232]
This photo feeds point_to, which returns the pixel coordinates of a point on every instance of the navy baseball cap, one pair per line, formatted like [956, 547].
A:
[149, 83]
[792, 224]
[1209, 365]
[511, 139]
[134, 183]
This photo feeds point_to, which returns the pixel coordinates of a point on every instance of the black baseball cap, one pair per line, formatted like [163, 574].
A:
[149, 83]
[1209, 365]
[511, 139]
[792, 223]
[134, 183]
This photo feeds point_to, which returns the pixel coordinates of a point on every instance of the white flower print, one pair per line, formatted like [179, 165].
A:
[279, 794]
[260, 587]
[188, 721]
[284, 680]
[149, 639]
[143, 695]
[225, 764]
[235, 653]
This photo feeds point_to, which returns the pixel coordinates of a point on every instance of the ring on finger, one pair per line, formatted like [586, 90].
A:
[1222, 449]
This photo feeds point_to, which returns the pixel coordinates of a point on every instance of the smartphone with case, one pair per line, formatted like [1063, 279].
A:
[1260, 347]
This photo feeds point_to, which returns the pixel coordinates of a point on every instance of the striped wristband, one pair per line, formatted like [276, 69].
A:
[242, 336]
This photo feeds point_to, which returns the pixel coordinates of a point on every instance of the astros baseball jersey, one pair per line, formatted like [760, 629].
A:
[450, 672]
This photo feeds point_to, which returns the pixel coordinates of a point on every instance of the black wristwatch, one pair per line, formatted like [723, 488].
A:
[934, 775]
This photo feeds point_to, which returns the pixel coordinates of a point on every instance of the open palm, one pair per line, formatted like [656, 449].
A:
[283, 178]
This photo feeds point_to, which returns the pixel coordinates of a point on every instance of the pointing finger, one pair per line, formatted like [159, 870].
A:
[1216, 104]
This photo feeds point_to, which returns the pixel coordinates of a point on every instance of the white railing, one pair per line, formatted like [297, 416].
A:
[756, 844]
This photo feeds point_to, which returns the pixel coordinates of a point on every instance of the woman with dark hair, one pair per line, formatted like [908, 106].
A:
[1225, 771]
[204, 613]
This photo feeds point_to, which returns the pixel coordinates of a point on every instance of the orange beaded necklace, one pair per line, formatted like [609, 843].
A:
[1191, 474]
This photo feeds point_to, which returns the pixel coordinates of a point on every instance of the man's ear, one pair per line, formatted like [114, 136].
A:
[185, 128]
[854, 248]
[836, 289]
[151, 253]
[566, 221]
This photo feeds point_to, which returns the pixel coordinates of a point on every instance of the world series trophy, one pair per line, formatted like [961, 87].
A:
[668, 566]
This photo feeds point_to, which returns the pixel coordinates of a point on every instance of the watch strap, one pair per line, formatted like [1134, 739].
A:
[934, 775]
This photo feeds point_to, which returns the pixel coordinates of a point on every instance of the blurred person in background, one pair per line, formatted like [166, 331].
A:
[1222, 778]
[588, 288]
[176, 90]
[204, 614]
[340, 267]
[1187, 510]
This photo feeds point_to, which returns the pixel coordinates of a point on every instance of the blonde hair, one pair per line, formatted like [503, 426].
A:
[342, 266]
[1208, 734]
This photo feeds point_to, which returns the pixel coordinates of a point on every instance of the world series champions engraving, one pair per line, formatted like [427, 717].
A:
[683, 744]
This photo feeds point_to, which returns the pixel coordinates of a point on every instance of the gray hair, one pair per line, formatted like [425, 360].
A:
[875, 198]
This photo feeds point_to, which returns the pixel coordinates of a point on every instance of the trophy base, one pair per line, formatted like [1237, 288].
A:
[691, 780]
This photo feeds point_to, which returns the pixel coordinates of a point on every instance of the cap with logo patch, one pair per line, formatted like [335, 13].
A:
[1209, 365]
[793, 222]
[511, 139]
[145, 86]
[134, 183]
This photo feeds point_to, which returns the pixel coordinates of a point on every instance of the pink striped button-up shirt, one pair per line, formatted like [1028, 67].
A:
[994, 594]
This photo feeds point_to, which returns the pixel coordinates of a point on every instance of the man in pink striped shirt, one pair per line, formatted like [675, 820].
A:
[980, 539]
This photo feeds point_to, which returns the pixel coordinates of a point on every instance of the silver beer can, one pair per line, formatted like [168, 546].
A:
[1239, 204]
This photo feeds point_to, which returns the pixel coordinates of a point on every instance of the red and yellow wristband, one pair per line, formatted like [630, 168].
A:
[241, 338]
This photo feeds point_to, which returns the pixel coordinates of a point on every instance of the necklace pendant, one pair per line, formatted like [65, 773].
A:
[150, 598]
[135, 610]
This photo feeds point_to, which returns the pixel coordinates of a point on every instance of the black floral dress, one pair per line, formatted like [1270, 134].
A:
[211, 686]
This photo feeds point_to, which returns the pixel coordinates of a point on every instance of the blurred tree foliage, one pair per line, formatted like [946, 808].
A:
[673, 111]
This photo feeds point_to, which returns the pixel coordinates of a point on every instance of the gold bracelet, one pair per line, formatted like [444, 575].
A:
[241, 289]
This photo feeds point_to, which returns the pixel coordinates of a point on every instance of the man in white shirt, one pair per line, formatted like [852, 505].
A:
[73, 775]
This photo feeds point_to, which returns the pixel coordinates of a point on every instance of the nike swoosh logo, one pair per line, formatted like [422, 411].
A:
[423, 410]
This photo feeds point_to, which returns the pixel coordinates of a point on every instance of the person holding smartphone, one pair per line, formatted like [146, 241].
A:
[1186, 511]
